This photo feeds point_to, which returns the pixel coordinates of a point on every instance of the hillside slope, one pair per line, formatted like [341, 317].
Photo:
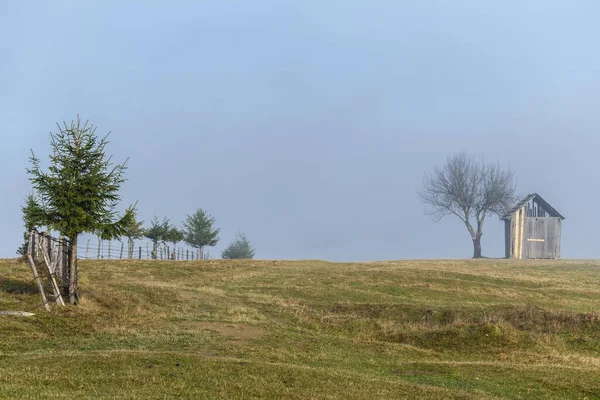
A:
[307, 329]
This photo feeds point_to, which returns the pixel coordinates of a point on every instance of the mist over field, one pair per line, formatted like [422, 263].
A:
[309, 125]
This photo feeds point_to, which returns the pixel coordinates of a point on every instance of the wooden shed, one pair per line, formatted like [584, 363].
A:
[532, 229]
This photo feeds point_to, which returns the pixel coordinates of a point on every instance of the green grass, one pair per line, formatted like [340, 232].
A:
[307, 329]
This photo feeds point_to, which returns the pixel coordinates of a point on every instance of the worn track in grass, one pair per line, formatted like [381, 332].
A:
[459, 329]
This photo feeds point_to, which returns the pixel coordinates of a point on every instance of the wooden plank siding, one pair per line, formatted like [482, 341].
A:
[542, 237]
[518, 233]
[507, 236]
[532, 230]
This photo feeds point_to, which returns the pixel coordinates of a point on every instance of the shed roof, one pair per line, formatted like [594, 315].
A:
[534, 196]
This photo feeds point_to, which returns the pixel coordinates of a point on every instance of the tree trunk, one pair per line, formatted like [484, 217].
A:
[73, 291]
[477, 247]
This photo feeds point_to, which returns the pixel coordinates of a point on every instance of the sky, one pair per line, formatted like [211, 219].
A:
[308, 125]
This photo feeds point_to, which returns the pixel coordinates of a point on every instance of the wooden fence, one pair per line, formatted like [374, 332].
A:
[120, 250]
[49, 255]
[48, 259]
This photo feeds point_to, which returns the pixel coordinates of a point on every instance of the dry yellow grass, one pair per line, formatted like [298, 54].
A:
[308, 329]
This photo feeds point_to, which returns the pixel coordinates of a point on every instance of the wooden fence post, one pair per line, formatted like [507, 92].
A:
[140, 252]
[121, 254]
[50, 271]
[53, 257]
[109, 242]
[58, 257]
[99, 247]
[48, 253]
[37, 278]
[48, 242]
[87, 248]
[37, 247]
[64, 259]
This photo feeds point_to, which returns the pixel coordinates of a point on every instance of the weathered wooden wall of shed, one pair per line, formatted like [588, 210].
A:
[518, 229]
[558, 236]
[530, 231]
[507, 238]
[542, 237]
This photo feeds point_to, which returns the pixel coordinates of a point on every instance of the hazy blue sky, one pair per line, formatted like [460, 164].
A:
[308, 124]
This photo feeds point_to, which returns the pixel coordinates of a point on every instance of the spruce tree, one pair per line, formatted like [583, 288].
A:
[133, 231]
[80, 192]
[174, 235]
[31, 220]
[199, 231]
[157, 232]
[240, 248]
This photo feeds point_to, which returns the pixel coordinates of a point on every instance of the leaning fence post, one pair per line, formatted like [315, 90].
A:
[37, 278]
[49, 269]
[49, 252]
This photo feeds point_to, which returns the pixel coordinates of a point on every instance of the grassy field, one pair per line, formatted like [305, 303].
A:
[307, 329]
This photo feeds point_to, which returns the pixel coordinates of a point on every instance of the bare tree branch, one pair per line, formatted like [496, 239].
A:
[469, 189]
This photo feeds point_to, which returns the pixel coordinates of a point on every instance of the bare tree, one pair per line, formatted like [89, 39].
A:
[470, 189]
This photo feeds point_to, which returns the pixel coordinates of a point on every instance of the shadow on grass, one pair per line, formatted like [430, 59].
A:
[14, 286]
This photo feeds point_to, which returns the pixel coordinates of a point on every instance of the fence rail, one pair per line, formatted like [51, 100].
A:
[51, 256]
[48, 256]
[120, 250]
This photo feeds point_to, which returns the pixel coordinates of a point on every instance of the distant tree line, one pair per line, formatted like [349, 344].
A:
[197, 230]
[79, 193]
